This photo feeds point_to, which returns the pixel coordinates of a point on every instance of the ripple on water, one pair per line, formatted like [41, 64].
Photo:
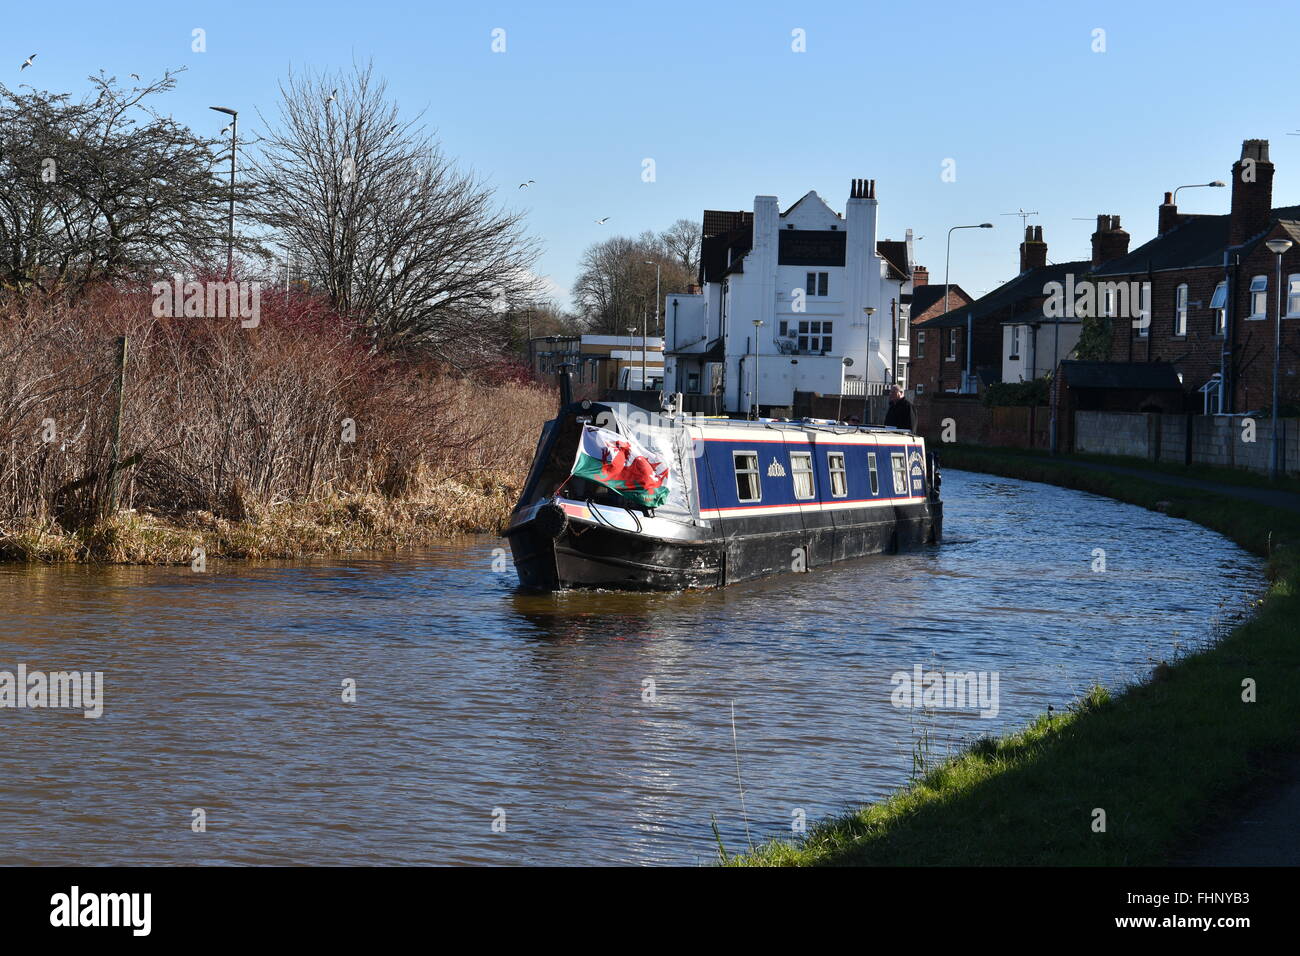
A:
[223, 690]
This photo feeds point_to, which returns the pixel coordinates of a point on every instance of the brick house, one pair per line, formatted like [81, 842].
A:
[926, 359]
[1212, 307]
[979, 325]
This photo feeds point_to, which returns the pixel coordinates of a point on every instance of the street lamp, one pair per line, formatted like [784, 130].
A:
[631, 341]
[1277, 247]
[1217, 182]
[947, 259]
[847, 362]
[234, 139]
[866, 369]
[758, 324]
[657, 271]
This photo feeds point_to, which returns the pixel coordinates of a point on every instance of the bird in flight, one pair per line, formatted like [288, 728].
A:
[134, 76]
[527, 184]
[27, 62]
[601, 222]
[331, 97]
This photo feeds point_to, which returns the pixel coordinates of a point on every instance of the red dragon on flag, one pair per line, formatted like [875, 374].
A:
[622, 464]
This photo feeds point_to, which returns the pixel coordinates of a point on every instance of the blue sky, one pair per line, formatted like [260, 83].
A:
[1012, 92]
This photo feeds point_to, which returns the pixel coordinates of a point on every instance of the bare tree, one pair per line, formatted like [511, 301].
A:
[102, 187]
[616, 277]
[681, 243]
[396, 235]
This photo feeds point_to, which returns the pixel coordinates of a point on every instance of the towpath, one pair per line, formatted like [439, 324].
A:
[1265, 831]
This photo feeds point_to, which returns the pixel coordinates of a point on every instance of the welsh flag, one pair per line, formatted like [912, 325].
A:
[621, 463]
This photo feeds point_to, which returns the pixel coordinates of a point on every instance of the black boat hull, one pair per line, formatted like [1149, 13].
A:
[551, 556]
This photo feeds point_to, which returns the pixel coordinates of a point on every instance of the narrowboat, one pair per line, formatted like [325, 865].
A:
[626, 499]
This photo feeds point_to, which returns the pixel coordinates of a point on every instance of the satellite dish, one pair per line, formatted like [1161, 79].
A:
[848, 360]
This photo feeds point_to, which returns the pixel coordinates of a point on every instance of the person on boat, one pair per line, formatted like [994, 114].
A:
[901, 414]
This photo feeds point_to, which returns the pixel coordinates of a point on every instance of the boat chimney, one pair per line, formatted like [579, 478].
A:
[566, 386]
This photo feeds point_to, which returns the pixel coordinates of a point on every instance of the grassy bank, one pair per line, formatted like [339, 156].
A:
[292, 529]
[1166, 760]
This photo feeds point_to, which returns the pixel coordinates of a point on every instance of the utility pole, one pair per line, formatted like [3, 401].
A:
[234, 143]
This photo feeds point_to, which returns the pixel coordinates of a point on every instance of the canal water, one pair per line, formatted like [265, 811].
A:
[491, 726]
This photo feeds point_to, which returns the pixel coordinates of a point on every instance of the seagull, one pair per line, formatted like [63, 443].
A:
[27, 62]
[226, 130]
[601, 222]
[331, 97]
[134, 76]
[527, 184]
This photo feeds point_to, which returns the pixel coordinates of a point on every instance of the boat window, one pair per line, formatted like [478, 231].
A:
[875, 474]
[839, 477]
[802, 470]
[748, 487]
[899, 461]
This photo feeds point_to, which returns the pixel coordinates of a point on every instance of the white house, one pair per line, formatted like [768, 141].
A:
[805, 299]
[1033, 346]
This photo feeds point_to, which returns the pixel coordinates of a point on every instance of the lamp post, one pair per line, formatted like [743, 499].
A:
[1277, 247]
[631, 341]
[947, 259]
[657, 273]
[758, 324]
[866, 369]
[234, 141]
[847, 362]
[1217, 182]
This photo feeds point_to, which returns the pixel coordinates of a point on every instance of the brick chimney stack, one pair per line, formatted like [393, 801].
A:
[920, 276]
[1109, 241]
[1168, 215]
[1252, 192]
[1033, 251]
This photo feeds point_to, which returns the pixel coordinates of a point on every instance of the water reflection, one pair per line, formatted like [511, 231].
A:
[223, 690]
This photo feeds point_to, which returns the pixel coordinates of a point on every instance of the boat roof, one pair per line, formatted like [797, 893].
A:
[626, 410]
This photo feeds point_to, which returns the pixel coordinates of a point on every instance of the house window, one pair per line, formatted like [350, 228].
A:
[1219, 306]
[920, 388]
[1258, 298]
[783, 328]
[839, 476]
[899, 462]
[748, 486]
[920, 344]
[815, 336]
[875, 475]
[1180, 310]
[1293, 296]
[1015, 342]
[817, 283]
[802, 470]
[952, 344]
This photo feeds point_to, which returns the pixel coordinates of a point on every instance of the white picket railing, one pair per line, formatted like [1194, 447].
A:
[855, 386]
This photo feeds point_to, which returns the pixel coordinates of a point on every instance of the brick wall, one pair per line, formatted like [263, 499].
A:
[976, 424]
